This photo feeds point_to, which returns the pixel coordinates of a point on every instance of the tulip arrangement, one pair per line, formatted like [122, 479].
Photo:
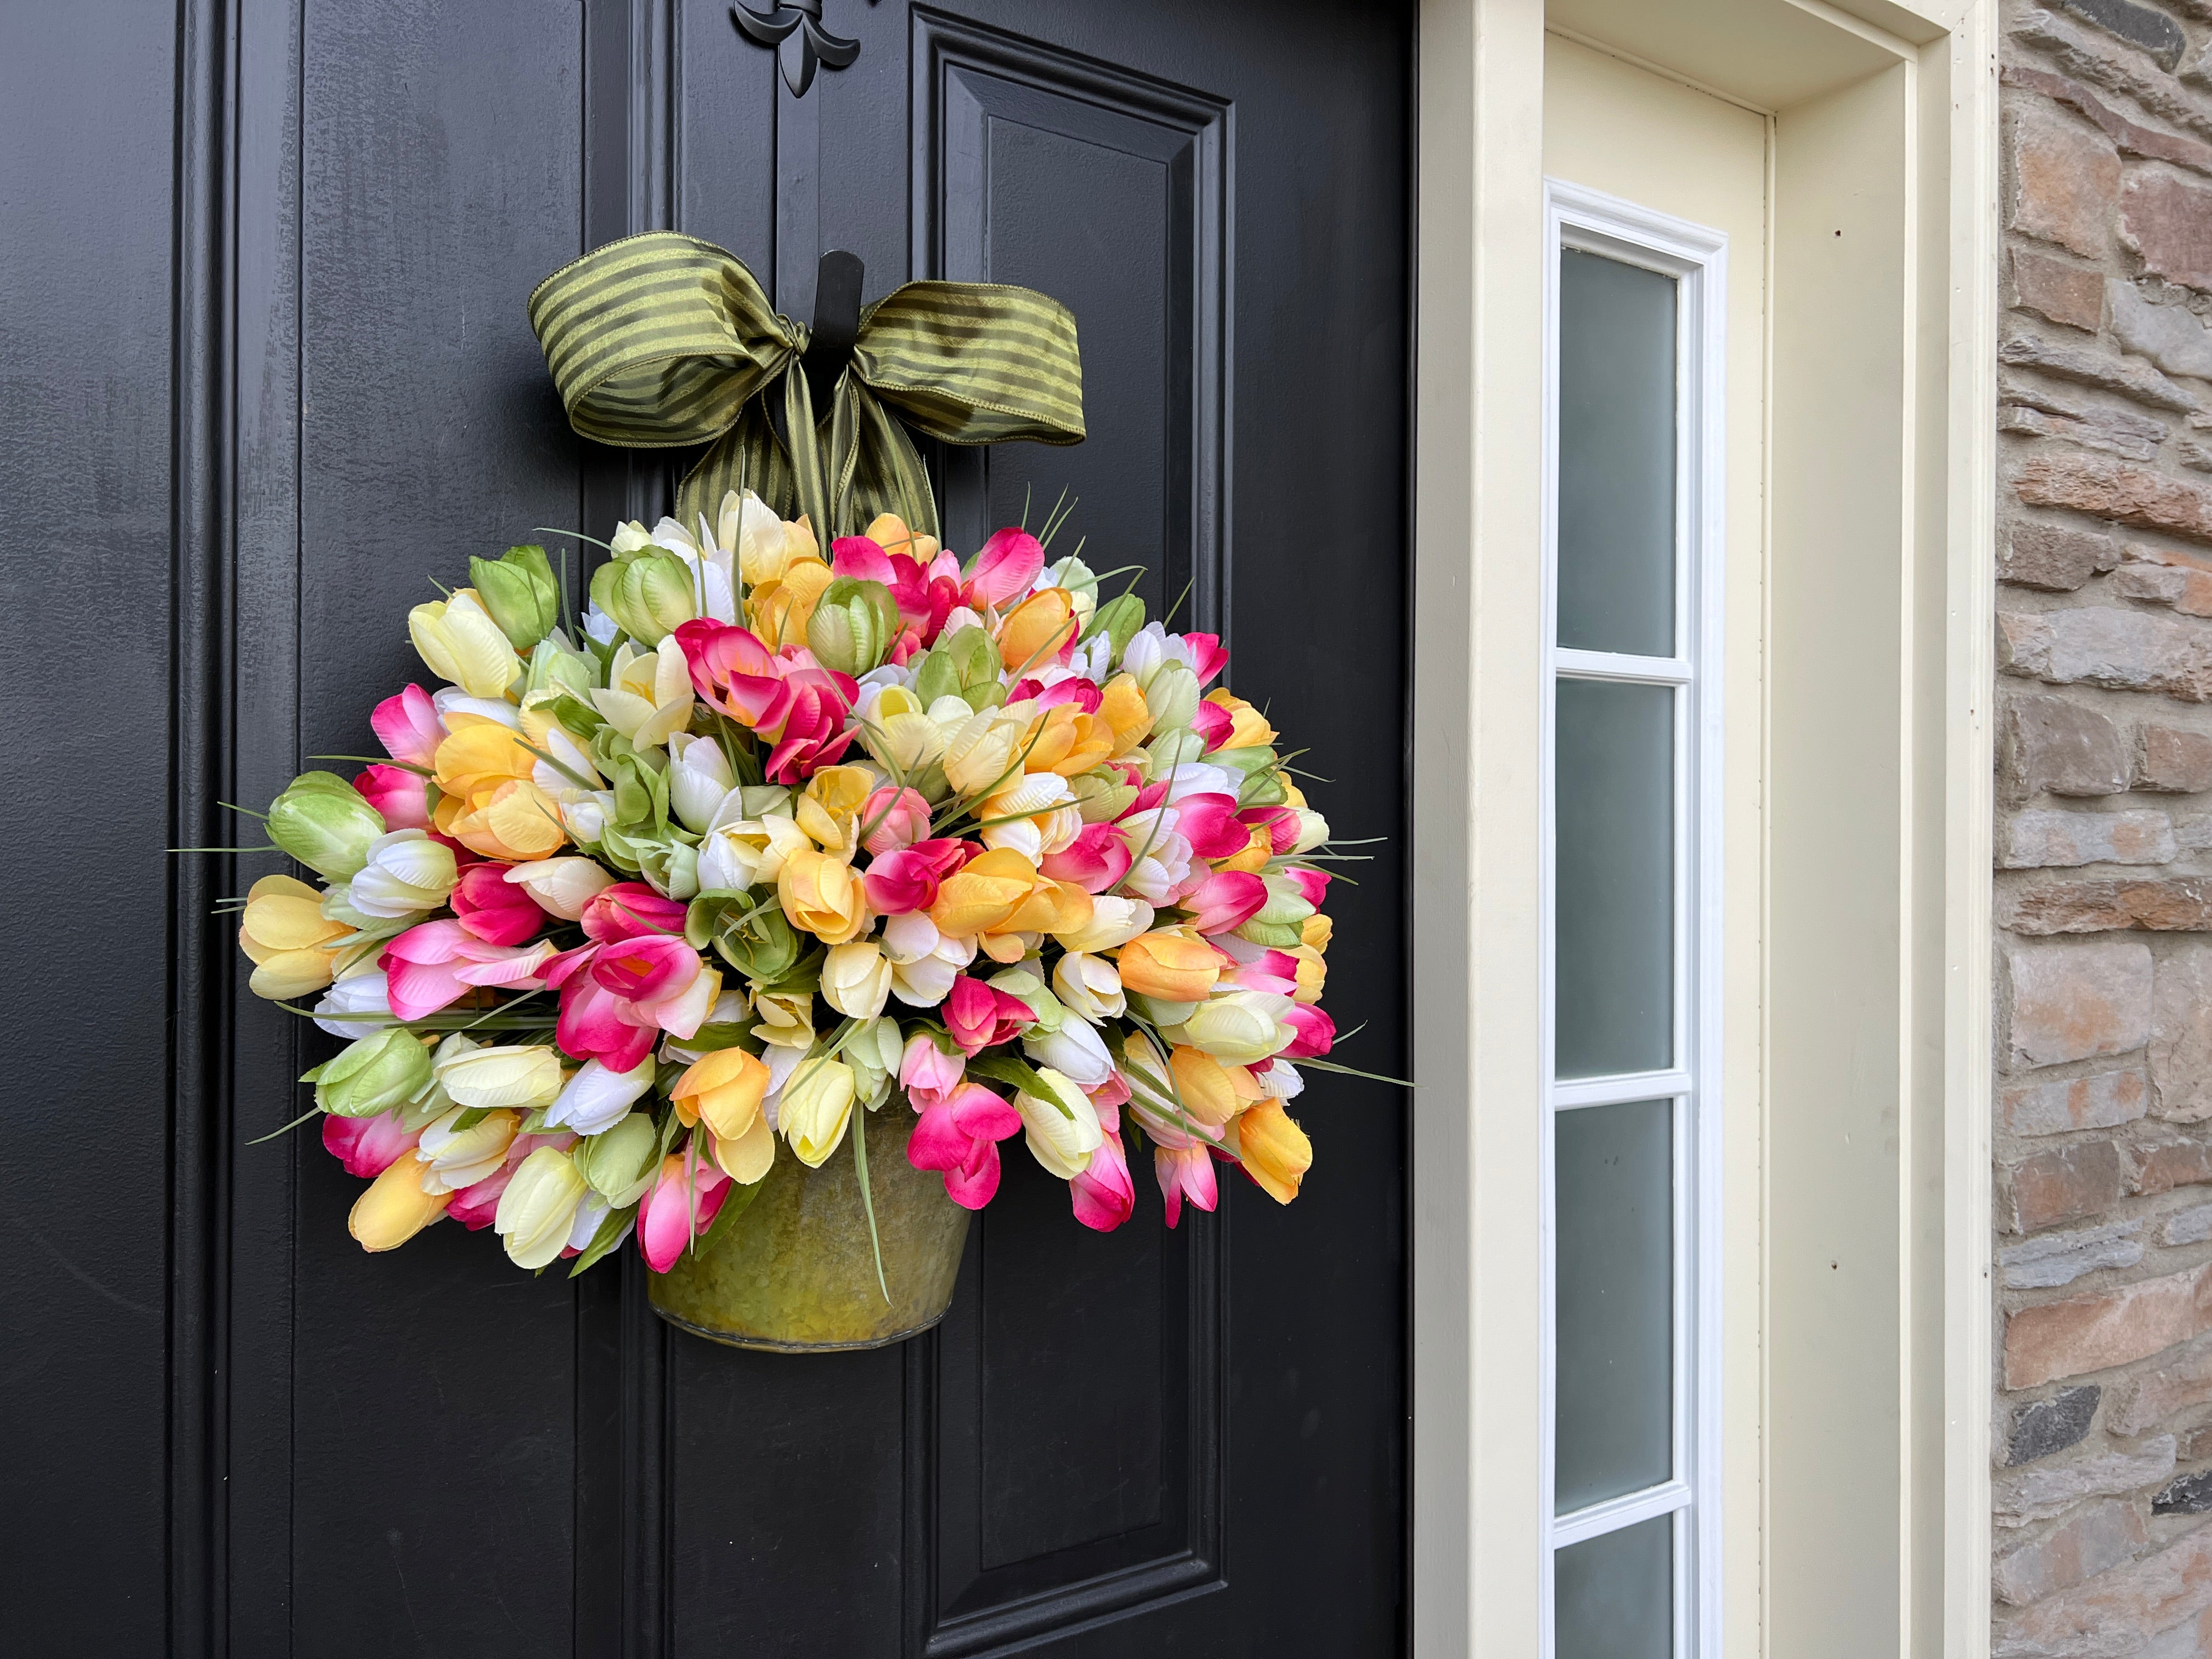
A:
[635, 908]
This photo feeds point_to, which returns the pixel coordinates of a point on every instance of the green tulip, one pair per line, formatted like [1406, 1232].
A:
[620, 1162]
[322, 821]
[557, 666]
[1172, 697]
[672, 867]
[372, 1075]
[760, 947]
[853, 624]
[1102, 797]
[1119, 619]
[649, 596]
[521, 591]
[965, 666]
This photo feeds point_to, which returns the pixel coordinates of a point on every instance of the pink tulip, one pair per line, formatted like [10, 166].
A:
[408, 726]
[810, 733]
[402, 797]
[904, 648]
[901, 818]
[980, 1016]
[596, 1024]
[1225, 902]
[678, 1206]
[865, 561]
[1282, 825]
[648, 969]
[477, 1207]
[1113, 1093]
[927, 1074]
[1209, 823]
[900, 882]
[1212, 722]
[731, 668]
[435, 963]
[1084, 694]
[1272, 972]
[1312, 884]
[1184, 1172]
[1207, 658]
[1317, 1032]
[1095, 860]
[960, 1137]
[368, 1146]
[1005, 568]
[1103, 1195]
[630, 909]
[494, 909]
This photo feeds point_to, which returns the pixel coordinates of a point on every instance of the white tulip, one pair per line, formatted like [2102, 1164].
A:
[1062, 1141]
[596, 1098]
[406, 874]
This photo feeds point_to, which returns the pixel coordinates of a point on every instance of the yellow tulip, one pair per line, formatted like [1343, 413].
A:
[900, 733]
[461, 1157]
[1037, 629]
[983, 893]
[748, 1157]
[765, 544]
[1171, 966]
[1067, 741]
[287, 937]
[816, 1107]
[1253, 856]
[1313, 974]
[479, 755]
[461, 643]
[1315, 931]
[563, 887]
[724, 1087]
[516, 821]
[1248, 727]
[829, 808]
[395, 1208]
[782, 609]
[1210, 1090]
[649, 693]
[521, 1075]
[1274, 1150]
[822, 895]
[1113, 921]
[1123, 704]
[1064, 1130]
[888, 531]
[787, 1017]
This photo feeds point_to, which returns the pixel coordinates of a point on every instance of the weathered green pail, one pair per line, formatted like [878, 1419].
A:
[794, 1272]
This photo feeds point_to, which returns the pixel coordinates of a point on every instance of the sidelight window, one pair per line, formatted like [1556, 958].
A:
[1633, 548]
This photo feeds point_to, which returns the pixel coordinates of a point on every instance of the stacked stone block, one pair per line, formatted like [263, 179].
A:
[2103, 1488]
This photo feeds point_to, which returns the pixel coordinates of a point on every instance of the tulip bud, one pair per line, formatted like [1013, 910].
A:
[855, 979]
[1272, 1149]
[372, 1075]
[761, 946]
[854, 624]
[597, 1096]
[458, 641]
[395, 1208]
[556, 667]
[1169, 967]
[985, 750]
[287, 938]
[562, 887]
[621, 1163]
[672, 867]
[649, 596]
[1242, 1027]
[406, 873]
[873, 1051]
[1063, 1130]
[1074, 1050]
[1100, 796]
[322, 821]
[1172, 697]
[816, 1107]
[1118, 619]
[964, 665]
[1082, 585]
[525, 1076]
[699, 780]
[538, 1211]
[519, 593]
[1090, 986]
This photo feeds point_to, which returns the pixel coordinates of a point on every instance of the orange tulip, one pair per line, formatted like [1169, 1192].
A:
[1067, 741]
[1274, 1150]
[1212, 1092]
[983, 893]
[1248, 727]
[1170, 966]
[1039, 626]
[725, 1087]
[1122, 706]
[1315, 931]
[1253, 857]
[395, 1208]
[515, 821]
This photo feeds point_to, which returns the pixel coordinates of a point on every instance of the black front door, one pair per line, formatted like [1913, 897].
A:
[254, 426]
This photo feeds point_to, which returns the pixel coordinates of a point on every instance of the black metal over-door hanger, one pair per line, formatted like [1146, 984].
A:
[794, 31]
[829, 342]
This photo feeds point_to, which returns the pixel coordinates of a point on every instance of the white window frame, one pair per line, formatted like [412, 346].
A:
[1697, 257]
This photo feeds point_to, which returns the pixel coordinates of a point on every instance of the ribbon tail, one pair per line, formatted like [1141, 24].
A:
[808, 474]
[877, 468]
[747, 454]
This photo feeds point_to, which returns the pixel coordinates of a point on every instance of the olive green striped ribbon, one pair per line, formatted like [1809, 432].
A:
[660, 341]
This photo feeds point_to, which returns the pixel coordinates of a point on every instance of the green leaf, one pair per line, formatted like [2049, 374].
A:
[1006, 1068]
[859, 1132]
[739, 1201]
[608, 1237]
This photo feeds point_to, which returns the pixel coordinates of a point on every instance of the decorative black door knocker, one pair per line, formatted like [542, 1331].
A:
[793, 30]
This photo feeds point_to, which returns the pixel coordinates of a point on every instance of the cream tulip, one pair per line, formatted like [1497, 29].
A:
[460, 1157]
[816, 1107]
[538, 1211]
[856, 978]
[1062, 1131]
[1090, 986]
[525, 1076]
[648, 694]
[461, 643]
[406, 874]
[563, 887]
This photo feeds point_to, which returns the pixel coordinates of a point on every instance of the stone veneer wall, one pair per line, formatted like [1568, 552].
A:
[2103, 1484]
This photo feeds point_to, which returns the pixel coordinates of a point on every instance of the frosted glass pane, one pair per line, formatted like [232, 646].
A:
[1614, 1168]
[1616, 456]
[1615, 959]
[1614, 1596]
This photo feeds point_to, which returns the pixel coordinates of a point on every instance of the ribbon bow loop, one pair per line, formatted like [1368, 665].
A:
[662, 341]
